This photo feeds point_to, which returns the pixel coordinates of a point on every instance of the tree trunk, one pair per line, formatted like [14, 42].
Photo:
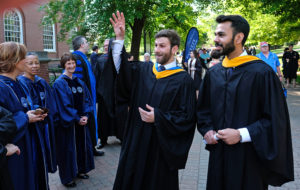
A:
[145, 42]
[137, 30]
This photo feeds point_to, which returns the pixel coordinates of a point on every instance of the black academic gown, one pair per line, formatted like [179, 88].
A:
[8, 129]
[105, 75]
[152, 153]
[292, 65]
[74, 146]
[252, 97]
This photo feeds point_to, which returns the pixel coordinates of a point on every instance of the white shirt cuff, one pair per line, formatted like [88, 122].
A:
[245, 135]
[117, 46]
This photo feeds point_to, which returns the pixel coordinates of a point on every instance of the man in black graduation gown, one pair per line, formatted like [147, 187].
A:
[161, 121]
[94, 56]
[85, 73]
[291, 58]
[243, 116]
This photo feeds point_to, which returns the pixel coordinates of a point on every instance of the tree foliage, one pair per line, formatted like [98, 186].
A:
[264, 25]
[275, 21]
[91, 17]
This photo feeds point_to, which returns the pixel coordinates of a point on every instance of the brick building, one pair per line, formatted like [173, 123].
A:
[23, 25]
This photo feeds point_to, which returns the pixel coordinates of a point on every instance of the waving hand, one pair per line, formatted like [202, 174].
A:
[118, 23]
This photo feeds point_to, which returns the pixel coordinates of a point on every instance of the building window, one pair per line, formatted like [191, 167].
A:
[49, 37]
[13, 26]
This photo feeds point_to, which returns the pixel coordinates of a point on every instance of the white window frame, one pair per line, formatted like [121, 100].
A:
[53, 42]
[21, 23]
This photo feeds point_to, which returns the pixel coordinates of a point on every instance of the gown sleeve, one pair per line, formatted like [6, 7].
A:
[8, 126]
[105, 84]
[68, 115]
[127, 77]
[21, 119]
[204, 117]
[3, 152]
[8, 129]
[175, 128]
[271, 135]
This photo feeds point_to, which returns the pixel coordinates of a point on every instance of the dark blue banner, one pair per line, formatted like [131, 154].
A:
[191, 43]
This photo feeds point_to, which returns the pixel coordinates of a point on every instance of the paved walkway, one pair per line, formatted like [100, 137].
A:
[193, 177]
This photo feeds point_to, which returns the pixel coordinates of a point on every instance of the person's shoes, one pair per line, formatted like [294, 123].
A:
[99, 146]
[98, 152]
[71, 184]
[83, 176]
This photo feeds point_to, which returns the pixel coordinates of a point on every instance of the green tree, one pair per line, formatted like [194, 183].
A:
[91, 17]
[264, 25]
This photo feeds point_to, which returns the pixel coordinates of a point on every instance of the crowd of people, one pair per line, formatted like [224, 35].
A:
[237, 105]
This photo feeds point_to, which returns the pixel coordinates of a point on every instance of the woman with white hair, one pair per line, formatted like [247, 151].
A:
[147, 58]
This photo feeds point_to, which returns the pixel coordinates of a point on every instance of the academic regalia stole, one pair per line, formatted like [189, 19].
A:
[237, 61]
[165, 73]
[92, 80]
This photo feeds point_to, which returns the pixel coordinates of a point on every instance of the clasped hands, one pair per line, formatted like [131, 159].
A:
[12, 149]
[83, 120]
[229, 136]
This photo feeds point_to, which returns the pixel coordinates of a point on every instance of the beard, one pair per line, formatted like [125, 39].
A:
[226, 49]
[164, 57]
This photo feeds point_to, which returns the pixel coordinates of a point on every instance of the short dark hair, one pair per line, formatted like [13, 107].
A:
[94, 48]
[66, 57]
[77, 41]
[291, 45]
[172, 35]
[238, 23]
[195, 53]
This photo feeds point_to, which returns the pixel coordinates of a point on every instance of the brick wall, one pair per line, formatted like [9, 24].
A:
[33, 34]
[44, 73]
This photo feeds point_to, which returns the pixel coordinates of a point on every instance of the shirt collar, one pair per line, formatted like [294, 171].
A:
[169, 65]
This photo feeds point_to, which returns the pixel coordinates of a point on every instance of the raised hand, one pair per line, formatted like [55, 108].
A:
[118, 23]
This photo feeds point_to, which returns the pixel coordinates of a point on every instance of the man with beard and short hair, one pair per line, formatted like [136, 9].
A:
[161, 121]
[243, 116]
